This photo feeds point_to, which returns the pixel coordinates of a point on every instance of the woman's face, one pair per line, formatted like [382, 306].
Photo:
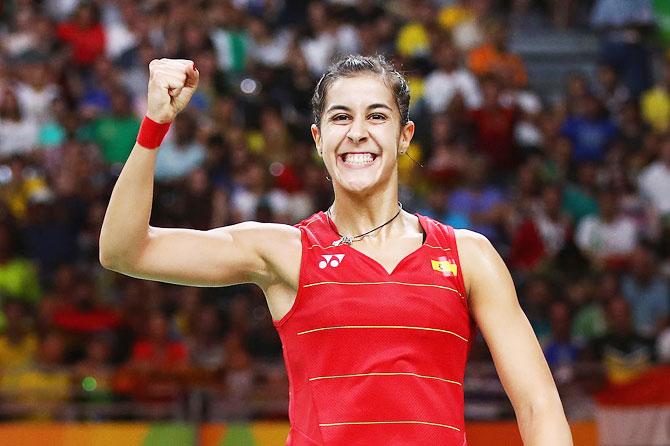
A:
[361, 135]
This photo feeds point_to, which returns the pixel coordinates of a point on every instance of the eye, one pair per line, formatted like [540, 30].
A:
[340, 117]
[377, 116]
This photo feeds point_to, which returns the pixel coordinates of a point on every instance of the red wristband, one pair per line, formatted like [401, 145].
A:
[152, 133]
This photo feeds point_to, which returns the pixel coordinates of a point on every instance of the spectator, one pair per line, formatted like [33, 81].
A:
[493, 57]
[654, 180]
[44, 385]
[609, 237]
[609, 91]
[18, 133]
[647, 293]
[561, 350]
[623, 352]
[325, 38]
[83, 314]
[543, 234]
[158, 350]
[449, 81]
[623, 23]
[18, 344]
[21, 37]
[535, 299]
[36, 90]
[462, 19]
[413, 40]
[50, 232]
[115, 133]
[437, 207]
[180, 156]
[266, 47]
[589, 131]
[205, 344]
[589, 322]
[481, 202]
[632, 129]
[84, 34]
[579, 198]
[255, 194]
[494, 125]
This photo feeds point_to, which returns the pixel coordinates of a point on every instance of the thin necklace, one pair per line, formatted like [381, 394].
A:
[349, 239]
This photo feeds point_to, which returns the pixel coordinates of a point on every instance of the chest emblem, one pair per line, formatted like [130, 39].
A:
[332, 260]
[444, 266]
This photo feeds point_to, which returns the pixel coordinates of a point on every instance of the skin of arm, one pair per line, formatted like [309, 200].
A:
[246, 252]
[517, 355]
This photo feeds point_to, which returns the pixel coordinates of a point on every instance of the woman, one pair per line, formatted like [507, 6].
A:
[375, 306]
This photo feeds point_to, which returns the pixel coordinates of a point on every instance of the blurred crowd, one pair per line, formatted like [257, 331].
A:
[573, 188]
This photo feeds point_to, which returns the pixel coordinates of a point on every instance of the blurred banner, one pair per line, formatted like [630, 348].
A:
[636, 413]
[268, 433]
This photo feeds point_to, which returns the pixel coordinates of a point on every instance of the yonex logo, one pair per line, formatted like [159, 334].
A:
[332, 260]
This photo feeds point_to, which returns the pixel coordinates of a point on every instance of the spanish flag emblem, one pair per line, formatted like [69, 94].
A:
[446, 267]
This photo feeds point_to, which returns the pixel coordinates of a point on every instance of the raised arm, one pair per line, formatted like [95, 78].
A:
[246, 252]
[516, 352]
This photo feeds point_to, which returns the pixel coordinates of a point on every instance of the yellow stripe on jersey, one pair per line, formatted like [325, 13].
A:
[437, 247]
[385, 374]
[389, 422]
[383, 326]
[384, 283]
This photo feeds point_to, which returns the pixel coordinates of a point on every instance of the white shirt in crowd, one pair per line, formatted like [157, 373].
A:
[17, 137]
[272, 53]
[441, 87]
[36, 104]
[603, 239]
[654, 181]
[174, 162]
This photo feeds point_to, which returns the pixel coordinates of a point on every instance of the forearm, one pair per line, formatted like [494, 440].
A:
[125, 227]
[544, 426]
[125, 230]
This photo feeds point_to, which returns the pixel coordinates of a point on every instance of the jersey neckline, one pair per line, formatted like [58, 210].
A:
[424, 237]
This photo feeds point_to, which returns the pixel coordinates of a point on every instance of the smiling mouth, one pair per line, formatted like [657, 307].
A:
[358, 158]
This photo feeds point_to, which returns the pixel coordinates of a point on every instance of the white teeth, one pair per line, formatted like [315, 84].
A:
[358, 158]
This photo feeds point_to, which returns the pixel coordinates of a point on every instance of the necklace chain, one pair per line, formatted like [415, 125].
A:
[349, 239]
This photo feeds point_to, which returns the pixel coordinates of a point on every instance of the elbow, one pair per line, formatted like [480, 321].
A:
[107, 260]
[113, 259]
[107, 257]
[116, 263]
[115, 255]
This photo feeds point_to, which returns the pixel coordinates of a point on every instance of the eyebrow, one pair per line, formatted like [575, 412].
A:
[369, 107]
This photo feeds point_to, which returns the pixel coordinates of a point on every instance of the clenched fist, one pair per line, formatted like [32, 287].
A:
[172, 82]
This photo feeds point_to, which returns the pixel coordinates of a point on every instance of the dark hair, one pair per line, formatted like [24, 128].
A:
[352, 65]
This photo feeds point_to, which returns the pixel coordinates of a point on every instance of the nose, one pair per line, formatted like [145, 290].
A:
[358, 131]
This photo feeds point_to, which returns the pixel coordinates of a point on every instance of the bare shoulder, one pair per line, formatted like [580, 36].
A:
[272, 241]
[264, 235]
[469, 239]
[473, 247]
[478, 257]
[278, 245]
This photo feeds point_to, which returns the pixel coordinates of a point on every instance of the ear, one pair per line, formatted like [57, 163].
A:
[316, 136]
[406, 134]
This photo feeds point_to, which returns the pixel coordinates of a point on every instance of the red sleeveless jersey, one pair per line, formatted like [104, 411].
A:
[375, 358]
